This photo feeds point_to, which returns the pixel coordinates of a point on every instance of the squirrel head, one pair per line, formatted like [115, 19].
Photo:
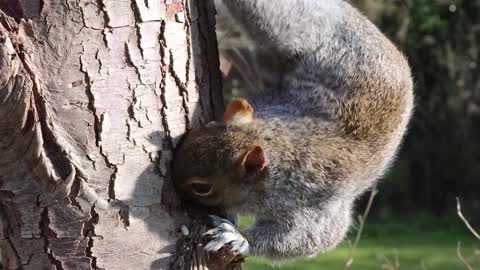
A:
[220, 164]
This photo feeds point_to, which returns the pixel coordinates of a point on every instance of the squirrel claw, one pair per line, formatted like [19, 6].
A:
[225, 234]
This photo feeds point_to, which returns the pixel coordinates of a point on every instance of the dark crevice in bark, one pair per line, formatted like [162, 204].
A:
[91, 103]
[124, 213]
[98, 130]
[168, 137]
[188, 42]
[106, 21]
[111, 183]
[99, 61]
[138, 20]
[94, 163]
[131, 108]
[46, 233]
[88, 253]
[182, 89]
[28, 260]
[88, 229]
[105, 39]
[168, 198]
[113, 176]
[129, 128]
[97, 125]
[89, 232]
[37, 201]
[131, 115]
[129, 62]
[103, 9]
[67, 5]
[128, 57]
[163, 110]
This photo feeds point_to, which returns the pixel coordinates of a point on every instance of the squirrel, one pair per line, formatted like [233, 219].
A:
[297, 157]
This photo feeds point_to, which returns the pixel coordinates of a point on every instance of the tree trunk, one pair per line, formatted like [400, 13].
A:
[94, 95]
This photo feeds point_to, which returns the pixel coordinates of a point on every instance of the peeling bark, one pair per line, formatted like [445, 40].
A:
[94, 96]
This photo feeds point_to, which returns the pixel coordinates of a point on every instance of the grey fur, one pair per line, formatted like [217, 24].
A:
[331, 130]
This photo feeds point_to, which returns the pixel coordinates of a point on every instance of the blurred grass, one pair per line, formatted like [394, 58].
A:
[415, 240]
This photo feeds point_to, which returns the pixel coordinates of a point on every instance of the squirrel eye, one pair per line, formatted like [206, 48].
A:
[201, 189]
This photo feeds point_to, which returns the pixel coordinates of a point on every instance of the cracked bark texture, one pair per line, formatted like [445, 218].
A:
[94, 95]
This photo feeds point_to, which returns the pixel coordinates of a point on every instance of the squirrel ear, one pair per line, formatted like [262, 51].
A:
[253, 160]
[238, 111]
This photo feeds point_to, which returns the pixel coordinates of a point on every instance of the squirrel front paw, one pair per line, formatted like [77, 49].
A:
[225, 234]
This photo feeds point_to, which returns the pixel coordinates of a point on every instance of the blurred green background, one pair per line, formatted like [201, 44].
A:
[440, 158]
[422, 243]
[413, 218]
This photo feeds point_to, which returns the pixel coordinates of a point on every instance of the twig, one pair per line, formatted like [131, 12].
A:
[459, 212]
[397, 260]
[422, 264]
[459, 254]
[362, 219]
[389, 265]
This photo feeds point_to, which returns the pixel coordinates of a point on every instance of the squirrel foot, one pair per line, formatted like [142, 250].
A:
[226, 235]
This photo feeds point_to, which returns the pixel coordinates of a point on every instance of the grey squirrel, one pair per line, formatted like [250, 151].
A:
[296, 157]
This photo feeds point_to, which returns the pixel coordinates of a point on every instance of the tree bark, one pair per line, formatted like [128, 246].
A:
[94, 95]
